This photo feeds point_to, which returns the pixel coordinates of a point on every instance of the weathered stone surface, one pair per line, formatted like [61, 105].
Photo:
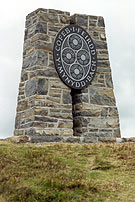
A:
[39, 124]
[101, 96]
[104, 63]
[41, 28]
[37, 58]
[37, 138]
[66, 132]
[64, 19]
[100, 44]
[81, 122]
[44, 119]
[92, 23]
[41, 37]
[67, 98]
[48, 17]
[44, 73]
[108, 80]
[31, 87]
[81, 20]
[101, 22]
[52, 28]
[89, 139]
[65, 124]
[36, 86]
[41, 111]
[71, 139]
[56, 11]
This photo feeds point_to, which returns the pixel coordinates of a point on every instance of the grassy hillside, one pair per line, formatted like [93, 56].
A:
[67, 172]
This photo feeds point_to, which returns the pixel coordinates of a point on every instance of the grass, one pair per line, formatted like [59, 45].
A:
[67, 173]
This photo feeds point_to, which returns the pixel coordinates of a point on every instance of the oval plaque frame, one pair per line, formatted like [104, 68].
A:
[75, 56]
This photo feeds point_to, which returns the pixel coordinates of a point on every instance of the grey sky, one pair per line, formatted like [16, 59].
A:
[119, 18]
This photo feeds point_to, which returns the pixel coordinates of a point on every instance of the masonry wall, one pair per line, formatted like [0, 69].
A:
[47, 110]
[94, 108]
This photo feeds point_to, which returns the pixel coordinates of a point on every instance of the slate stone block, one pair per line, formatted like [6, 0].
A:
[36, 86]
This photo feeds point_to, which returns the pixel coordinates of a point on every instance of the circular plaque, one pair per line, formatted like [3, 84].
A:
[75, 57]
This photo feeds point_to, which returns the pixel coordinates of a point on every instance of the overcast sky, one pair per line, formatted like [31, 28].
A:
[119, 18]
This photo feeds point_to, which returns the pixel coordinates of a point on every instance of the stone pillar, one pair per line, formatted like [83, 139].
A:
[94, 108]
[48, 110]
[44, 111]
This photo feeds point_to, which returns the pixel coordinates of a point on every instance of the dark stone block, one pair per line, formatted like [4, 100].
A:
[41, 28]
[104, 134]
[47, 73]
[81, 20]
[43, 138]
[49, 17]
[72, 140]
[36, 86]
[92, 23]
[105, 63]
[42, 87]
[100, 45]
[38, 57]
[31, 87]
[83, 113]
[89, 139]
[67, 99]
[101, 22]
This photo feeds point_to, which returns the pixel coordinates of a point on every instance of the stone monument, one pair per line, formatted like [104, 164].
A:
[66, 89]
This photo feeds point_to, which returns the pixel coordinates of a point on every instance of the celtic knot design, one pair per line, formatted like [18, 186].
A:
[83, 57]
[75, 54]
[75, 42]
[76, 71]
[68, 55]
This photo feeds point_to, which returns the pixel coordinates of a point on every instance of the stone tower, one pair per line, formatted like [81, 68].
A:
[47, 109]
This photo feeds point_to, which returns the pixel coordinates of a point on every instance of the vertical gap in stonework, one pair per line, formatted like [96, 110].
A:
[74, 93]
